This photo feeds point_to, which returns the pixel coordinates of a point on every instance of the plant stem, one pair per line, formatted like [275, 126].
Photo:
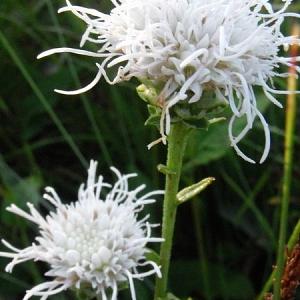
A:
[287, 176]
[291, 244]
[177, 140]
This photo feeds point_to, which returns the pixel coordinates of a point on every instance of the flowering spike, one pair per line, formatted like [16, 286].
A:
[96, 242]
[189, 47]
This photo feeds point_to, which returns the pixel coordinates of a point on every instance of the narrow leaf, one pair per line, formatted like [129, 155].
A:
[193, 190]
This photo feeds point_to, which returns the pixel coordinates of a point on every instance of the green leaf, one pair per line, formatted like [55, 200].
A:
[209, 106]
[152, 110]
[207, 145]
[224, 283]
[17, 190]
[210, 103]
[155, 115]
[153, 121]
[197, 123]
[193, 190]
[153, 256]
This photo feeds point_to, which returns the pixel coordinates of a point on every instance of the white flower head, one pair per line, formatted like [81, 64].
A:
[95, 243]
[189, 47]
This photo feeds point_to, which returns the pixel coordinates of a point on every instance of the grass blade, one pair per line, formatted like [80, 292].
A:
[7, 46]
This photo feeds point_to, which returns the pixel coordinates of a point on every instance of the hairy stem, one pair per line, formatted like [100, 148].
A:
[177, 140]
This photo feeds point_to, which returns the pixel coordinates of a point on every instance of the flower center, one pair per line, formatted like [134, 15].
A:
[86, 241]
[89, 242]
[99, 239]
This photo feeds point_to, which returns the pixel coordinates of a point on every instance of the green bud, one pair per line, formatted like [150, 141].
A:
[147, 94]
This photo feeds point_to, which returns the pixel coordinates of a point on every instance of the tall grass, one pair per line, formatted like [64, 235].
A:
[225, 241]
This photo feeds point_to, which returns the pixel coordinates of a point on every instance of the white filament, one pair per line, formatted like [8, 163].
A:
[96, 240]
[235, 43]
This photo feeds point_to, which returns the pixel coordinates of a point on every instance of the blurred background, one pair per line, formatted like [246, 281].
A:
[225, 239]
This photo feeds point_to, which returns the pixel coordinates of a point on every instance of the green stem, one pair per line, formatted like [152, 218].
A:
[294, 238]
[287, 177]
[177, 140]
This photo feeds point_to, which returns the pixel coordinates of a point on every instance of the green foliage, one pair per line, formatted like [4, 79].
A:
[46, 138]
[153, 256]
[224, 282]
[154, 116]
[193, 190]
[196, 115]
[207, 145]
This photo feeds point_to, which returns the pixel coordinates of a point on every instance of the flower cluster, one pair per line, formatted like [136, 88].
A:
[189, 47]
[95, 243]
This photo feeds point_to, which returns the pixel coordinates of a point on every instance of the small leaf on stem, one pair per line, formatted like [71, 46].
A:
[193, 190]
[165, 170]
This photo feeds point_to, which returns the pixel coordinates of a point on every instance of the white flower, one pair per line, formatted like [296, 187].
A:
[95, 242]
[191, 46]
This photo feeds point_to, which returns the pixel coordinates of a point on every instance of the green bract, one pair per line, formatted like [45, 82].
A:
[197, 115]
